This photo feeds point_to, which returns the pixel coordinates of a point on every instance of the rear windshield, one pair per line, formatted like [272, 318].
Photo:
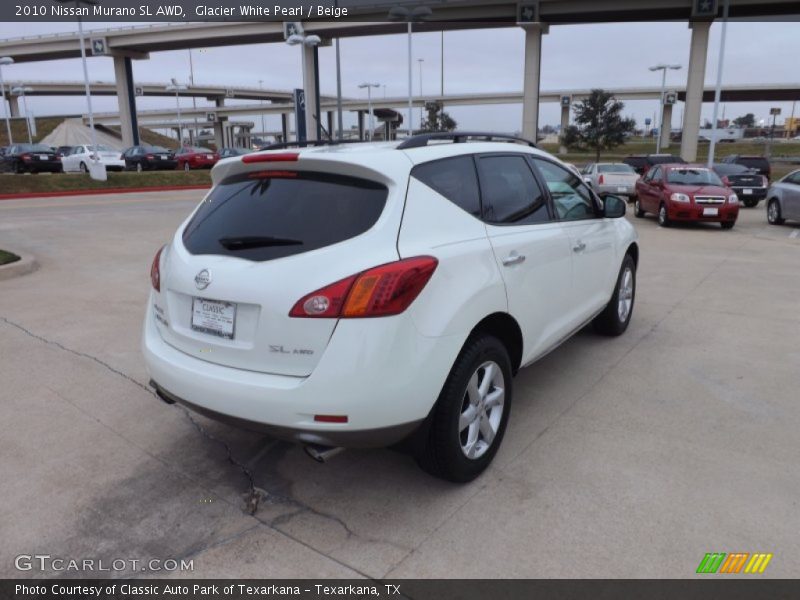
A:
[731, 169]
[754, 162]
[34, 148]
[693, 177]
[615, 168]
[264, 218]
[156, 149]
[666, 158]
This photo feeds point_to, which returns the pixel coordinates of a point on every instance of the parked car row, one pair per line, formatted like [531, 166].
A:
[666, 186]
[38, 158]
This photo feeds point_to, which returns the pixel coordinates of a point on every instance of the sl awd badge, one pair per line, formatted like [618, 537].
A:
[203, 279]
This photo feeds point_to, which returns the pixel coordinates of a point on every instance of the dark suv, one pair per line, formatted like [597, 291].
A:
[641, 163]
[760, 164]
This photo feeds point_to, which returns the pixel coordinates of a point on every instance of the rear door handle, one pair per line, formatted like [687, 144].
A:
[513, 259]
[579, 247]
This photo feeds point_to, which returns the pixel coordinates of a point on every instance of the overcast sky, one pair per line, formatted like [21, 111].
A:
[573, 56]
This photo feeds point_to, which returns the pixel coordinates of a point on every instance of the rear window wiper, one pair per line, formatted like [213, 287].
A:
[256, 241]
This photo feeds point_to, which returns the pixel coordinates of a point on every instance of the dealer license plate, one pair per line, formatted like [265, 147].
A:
[710, 212]
[622, 190]
[747, 191]
[44, 157]
[214, 317]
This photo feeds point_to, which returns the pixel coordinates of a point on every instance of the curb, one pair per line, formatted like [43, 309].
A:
[164, 188]
[26, 264]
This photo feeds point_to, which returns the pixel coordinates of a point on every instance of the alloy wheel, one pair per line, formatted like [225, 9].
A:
[625, 295]
[482, 410]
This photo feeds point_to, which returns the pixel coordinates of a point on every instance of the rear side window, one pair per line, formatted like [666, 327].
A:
[453, 178]
[510, 192]
[265, 218]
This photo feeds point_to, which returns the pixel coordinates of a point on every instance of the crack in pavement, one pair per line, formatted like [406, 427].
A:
[254, 494]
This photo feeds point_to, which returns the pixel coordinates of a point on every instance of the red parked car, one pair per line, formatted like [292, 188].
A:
[190, 157]
[677, 192]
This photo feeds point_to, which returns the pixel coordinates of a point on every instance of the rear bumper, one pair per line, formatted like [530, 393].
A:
[617, 190]
[756, 193]
[381, 373]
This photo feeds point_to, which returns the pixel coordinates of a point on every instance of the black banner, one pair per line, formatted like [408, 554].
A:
[479, 589]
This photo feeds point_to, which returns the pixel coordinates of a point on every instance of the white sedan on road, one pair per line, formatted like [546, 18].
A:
[79, 158]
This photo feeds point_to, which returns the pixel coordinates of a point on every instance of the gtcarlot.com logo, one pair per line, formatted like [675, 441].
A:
[736, 562]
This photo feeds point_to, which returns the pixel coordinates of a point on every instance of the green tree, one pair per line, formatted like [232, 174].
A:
[437, 119]
[748, 120]
[599, 124]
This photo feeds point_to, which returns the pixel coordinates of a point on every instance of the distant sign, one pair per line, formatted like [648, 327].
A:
[138, 91]
[291, 28]
[99, 46]
[566, 101]
[648, 120]
[774, 111]
[211, 117]
[671, 98]
[704, 8]
[229, 93]
[528, 12]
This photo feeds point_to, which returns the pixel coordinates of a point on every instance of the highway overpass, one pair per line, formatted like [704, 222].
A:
[132, 43]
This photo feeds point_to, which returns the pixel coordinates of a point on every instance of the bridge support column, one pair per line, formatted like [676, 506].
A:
[13, 105]
[530, 87]
[285, 127]
[694, 89]
[126, 98]
[329, 125]
[666, 125]
[310, 88]
[361, 125]
[562, 149]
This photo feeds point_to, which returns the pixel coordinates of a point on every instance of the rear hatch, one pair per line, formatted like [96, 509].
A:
[267, 235]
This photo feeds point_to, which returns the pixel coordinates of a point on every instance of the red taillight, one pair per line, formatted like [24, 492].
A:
[600, 180]
[382, 291]
[279, 157]
[155, 270]
[25, 157]
[149, 157]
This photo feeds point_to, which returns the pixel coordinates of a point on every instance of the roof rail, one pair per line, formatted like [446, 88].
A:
[459, 137]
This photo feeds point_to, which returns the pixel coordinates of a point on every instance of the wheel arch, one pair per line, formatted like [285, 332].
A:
[633, 250]
[504, 327]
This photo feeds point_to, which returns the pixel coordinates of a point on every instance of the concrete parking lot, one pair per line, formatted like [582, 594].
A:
[627, 457]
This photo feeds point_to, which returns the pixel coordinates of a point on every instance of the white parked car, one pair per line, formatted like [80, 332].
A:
[80, 157]
[364, 295]
[611, 178]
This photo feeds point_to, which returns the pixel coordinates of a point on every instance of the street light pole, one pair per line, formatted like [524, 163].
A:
[718, 89]
[263, 122]
[309, 41]
[20, 91]
[421, 108]
[369, 87]
[663, 68]
[177, 87]
[5, 60]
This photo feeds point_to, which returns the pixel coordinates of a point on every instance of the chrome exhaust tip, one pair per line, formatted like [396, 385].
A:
[320, 453]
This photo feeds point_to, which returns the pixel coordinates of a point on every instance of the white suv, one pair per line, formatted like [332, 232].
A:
[363, 295]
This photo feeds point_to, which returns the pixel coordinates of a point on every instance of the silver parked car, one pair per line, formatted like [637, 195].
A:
[783, 199]
[611, 178]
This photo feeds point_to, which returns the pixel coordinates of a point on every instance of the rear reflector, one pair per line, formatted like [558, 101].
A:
[279, 157]
[382, 291]
[330, 418]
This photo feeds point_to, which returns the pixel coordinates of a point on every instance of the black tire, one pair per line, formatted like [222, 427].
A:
[751, 203]
[442, 455]
[774, 212]
[18, 168]
[663, 216]
[187, 167]
[637, 209]
[727, 224]
[610, 322]
[83, 167]
[139, 167]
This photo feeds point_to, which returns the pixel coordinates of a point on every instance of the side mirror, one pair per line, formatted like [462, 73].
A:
[614, 207]
[587, 179]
